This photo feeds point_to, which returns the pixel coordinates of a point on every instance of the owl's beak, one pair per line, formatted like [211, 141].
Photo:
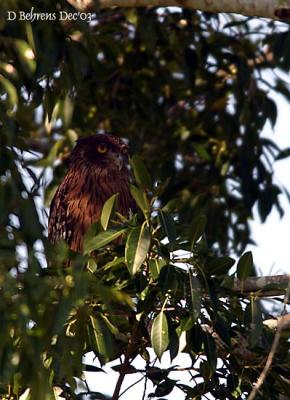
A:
[117, 159]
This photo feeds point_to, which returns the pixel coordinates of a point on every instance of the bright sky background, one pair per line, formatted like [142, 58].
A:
[271, 254]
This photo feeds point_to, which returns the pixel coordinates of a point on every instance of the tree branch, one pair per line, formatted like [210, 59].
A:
[283, 322]
[133, 343]
[263, 286]
[273, 9]
[273, 350]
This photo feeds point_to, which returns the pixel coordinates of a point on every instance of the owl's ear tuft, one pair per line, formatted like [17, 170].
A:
[92, 139]
[83, 140]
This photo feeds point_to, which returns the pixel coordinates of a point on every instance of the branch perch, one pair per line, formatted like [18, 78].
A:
[263, 286]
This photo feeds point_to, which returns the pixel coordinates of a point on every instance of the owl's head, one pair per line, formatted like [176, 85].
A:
[101, 150]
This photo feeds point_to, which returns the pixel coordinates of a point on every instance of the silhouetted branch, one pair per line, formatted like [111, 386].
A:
[272, 352]
[262, 286]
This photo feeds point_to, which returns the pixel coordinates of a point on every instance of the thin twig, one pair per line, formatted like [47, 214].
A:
[130, 386]
[124, 369]
[273, 350]
[177, 369]
[145, 387]
[121, 377]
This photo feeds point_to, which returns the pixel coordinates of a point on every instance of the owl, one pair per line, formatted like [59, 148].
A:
[97, 169]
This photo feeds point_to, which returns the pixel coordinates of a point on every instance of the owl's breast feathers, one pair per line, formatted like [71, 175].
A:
[79, 200]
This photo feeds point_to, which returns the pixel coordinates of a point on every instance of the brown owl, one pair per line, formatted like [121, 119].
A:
[98, 168]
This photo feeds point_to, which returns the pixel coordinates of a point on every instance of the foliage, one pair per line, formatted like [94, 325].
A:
[188, 91]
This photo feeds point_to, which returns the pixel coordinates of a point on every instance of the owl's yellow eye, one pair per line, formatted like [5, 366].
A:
[102, 148]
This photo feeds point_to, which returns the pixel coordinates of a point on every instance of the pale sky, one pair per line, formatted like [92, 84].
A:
[271, 255]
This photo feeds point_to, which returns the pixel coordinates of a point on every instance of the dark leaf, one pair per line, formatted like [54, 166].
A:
[198, 227]
[210, 351]
[92, 368]
[168, 226]
[285, 153]
[196, 296]
[219, 265]
[130, 369]
[141, 174]
[245, 265]
[165, 387]
[141, 199]
[102, 337]
[155, 266]
[254, 320]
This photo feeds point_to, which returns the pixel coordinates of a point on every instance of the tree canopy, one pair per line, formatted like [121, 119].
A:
[191, 93]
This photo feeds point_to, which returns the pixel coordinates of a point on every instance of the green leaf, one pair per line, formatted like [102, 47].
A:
[102, 239]
[159, 189]
[92, 265]
[257, 322]
[254, 320]
[159, 334]
[170, 279]
[141, 173]
[141, 200]
[201, 150]
[108, 210]
[49, 103]
[219, 265]
[137, 247]
[111, 296]
[12, 97]
[228, 282]
[210, 351]
[198, 227]
[103, 337]
[115, 262]
[171, 205]
[25, 395]
[155, 266]
[52, 155]
[222, 328]
[245, 265]
[16, 383]
[195, 339]
[196, 295]
[26, 56]
[174, 342]
[185, 325]
[29, 220]
[168, 226]
[67, 110]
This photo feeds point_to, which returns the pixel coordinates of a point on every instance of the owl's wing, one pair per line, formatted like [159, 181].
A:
[73, 209]
[59, 224]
